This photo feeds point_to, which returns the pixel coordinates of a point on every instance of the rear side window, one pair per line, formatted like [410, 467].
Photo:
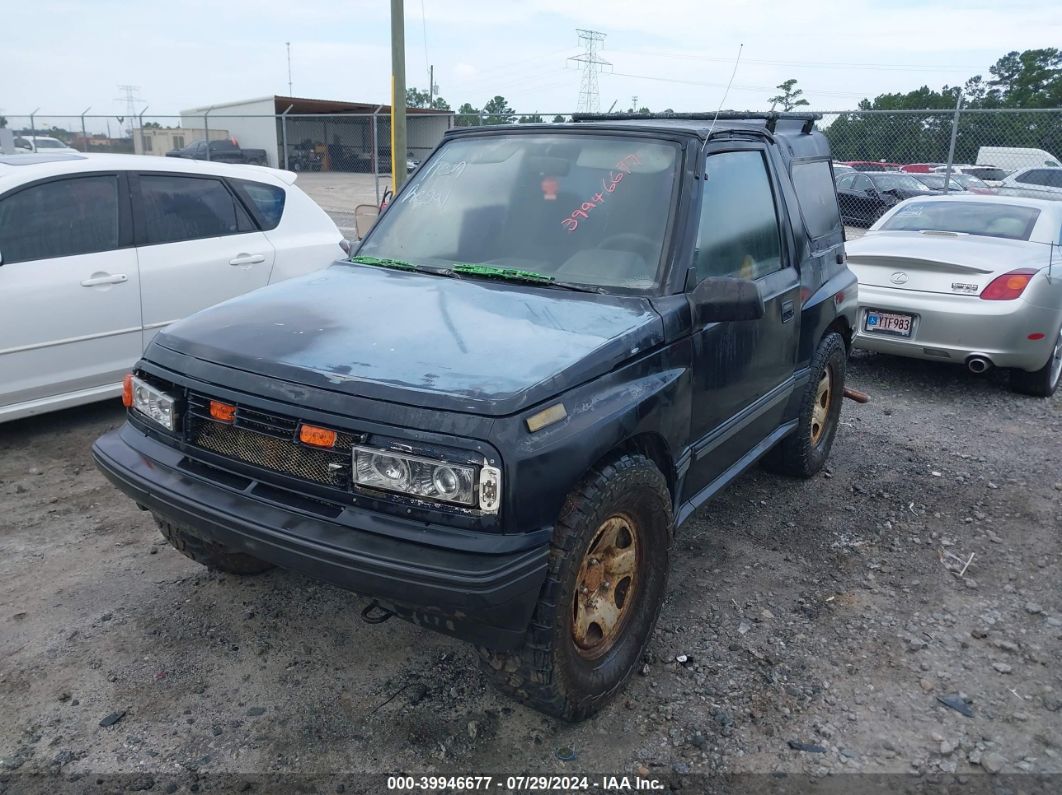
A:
[268, 200]
[60, 219]
[179, 208]
[818, 198]
[1035, 177]
[738, 234]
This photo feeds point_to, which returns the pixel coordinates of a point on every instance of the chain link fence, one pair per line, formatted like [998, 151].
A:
[345, 159]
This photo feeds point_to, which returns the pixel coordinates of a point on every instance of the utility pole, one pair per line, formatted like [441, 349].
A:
[398, 95]
[431, 85]
[288, 45]
[589, 100]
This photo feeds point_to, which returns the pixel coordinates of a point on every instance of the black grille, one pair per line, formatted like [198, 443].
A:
[269, 441]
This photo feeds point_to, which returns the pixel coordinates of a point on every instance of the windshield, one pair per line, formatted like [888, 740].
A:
[936, 181]
[899, 181]
[988, 173]
[582, 209]
[969, 181]
[994, 219]
[48, 143]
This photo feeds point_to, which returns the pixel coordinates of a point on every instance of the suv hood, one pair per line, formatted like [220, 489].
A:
[489, 348]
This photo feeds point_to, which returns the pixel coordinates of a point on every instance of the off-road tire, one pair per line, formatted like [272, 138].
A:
[797, 455]
[1042, 382]
[547, 672]
[209, 554]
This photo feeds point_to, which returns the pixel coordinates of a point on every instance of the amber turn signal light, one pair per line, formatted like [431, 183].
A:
[127, 390]
[317, 437]
[222, 412]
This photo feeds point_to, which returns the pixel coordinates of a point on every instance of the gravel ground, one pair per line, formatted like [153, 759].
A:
[829, 612]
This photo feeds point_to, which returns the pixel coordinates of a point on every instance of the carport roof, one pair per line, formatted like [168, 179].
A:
[305, 105]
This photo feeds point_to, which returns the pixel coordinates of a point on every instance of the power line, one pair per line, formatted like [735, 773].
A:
[739, 87]
[589, 97]
[809, 64]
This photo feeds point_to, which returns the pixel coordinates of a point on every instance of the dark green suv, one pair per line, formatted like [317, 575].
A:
[556, 343]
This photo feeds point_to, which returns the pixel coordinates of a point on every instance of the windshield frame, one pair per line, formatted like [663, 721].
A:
[681, 177]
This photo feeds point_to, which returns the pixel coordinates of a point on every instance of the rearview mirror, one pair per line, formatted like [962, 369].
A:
[724, 298]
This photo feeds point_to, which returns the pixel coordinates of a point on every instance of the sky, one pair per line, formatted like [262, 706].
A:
[680, 54]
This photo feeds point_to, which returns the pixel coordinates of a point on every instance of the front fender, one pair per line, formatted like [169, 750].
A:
[647, 397]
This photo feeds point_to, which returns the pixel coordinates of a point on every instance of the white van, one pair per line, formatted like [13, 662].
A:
[1013, 158]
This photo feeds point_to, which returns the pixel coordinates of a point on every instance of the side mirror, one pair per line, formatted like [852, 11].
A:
[724, 298]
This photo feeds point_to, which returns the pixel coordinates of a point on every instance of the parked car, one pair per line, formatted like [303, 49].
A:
[1034, 182]
[957, 182]
[839, 168]
[1013, 158]
[935, 182]
[992, 177]
[492, 418]
[865, 196]
[973, 184]
[100, 252]
[41, 143]
[966, 279]
[224, 150]
[873, 165]
[920, 168]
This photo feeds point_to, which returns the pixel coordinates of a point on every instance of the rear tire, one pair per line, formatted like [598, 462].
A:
[1042, 382]
[608, 566]
[804, 452]
[208, 553]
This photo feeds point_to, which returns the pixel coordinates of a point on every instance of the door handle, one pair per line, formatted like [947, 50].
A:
[247, 259]
[787, 311]
[104, 278]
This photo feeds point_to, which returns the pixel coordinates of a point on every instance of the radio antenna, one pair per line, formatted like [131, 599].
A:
[727, 92]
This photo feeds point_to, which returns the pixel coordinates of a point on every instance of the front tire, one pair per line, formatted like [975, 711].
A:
[209, 554]
[608, 567]
[1042, 382]
[804, 452]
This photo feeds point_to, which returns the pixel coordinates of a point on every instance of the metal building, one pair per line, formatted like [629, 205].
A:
[318, 134]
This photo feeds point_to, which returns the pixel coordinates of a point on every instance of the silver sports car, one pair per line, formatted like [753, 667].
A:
[970, 279]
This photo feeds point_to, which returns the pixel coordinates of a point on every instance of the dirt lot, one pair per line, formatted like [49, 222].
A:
[826, 612]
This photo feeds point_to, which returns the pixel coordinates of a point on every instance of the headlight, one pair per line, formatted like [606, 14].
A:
[430, 479]
[153, 403]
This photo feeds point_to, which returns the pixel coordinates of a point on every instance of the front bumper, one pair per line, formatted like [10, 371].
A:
[956, 327]
[478, 587]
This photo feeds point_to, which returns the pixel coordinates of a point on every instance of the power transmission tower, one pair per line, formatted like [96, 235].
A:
[592, 41]
[131, 98]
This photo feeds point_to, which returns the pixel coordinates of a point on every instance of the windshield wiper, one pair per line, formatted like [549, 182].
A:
[384, 262]
[518, 275]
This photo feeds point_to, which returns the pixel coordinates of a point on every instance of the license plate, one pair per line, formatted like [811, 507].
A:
[889, 323]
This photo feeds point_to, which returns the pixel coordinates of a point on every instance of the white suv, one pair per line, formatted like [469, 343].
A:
[99, 252]
[1043, 182]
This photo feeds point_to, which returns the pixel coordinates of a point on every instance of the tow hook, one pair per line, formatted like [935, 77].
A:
[375, 613]
[856, 395]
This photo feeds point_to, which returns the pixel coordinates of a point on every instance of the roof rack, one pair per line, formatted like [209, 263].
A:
[771, 117]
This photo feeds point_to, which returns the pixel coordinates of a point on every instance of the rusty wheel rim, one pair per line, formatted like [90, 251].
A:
[605, 587]
[820, 411]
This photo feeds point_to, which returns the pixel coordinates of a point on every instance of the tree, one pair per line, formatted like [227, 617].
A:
[790, 97]
[1030, 79]
[534, 118]
[440, 104]
[3, 121]
[498, 111]
[559, 119]
[467, 116]
[152, 125]
[415, 98]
